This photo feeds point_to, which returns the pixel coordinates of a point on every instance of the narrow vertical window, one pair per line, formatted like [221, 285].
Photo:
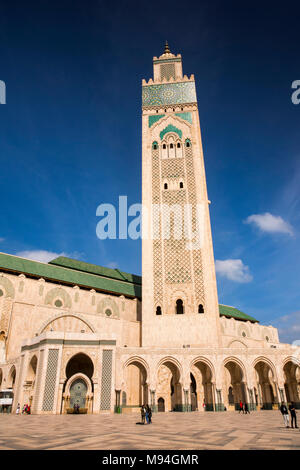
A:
[179, 307]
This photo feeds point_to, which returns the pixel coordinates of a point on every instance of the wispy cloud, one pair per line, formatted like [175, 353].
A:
[233, 269]
[288, 327]
[112, 265]
[43, 256]
[270, 223]
[2, 239]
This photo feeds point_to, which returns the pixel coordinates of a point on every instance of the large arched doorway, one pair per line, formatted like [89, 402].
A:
[202, 387]
[11, 378]
[266, 387]
[135, 387]
[292, 382]
[29, 383]
[193, 393]
[160, 405]
[235, 388]
[78, 387]
[169, 387]
[78, 392]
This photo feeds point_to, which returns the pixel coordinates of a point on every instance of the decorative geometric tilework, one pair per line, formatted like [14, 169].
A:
[8, 287]
[197, 257]
[170, 128]
[38, 381]
[108, 303]
[173, 264]
[185, 116]
[167, 71]
[52, 294]
[50, 381]
[154, 118]
[169, 93]
[157, 245]
[107, 357]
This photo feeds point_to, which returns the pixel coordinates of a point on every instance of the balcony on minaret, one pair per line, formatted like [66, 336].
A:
[167, 67]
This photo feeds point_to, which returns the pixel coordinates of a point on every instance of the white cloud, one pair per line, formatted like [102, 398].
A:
[288, 328]
[270, 223]
[112, 265]
[39, 255]
[233, 269]
[2, 239]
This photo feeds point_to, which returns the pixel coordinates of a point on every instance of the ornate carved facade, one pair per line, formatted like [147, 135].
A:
[75, 333]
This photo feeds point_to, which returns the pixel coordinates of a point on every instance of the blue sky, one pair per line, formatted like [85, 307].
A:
[70, 134]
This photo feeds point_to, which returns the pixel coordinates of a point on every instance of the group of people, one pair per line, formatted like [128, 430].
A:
[244, 408]
[285, 413]
[25, 410]
[76, 409]
[146, 414]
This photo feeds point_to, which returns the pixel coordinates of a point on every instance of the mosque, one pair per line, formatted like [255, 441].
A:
[74, 333]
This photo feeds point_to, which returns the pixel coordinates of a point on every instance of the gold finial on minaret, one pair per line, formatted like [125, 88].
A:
[167, 50]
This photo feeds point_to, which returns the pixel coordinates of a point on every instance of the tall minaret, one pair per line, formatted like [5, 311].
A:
[179, 300]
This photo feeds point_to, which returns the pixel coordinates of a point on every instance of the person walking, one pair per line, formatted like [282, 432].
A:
[18, 409]
[246, 408]
[148, 414]
[293, 415]
[241, 407]
[143, 414]
[285, 414]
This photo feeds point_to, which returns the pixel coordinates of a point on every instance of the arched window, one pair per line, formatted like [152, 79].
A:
[164, 146]
[187, 143]
[166, 186]
[200, 309]
[181, 185]
[158, 310]
[155, 145]
[179, 307]
[178, 145]
[171, 146]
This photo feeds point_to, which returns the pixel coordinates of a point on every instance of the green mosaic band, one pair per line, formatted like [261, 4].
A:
[156, 117]
[169, 93]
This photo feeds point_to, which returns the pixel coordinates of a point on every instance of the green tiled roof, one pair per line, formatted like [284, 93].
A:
[95, 269]
[73, 272]
[227, 311]
[106, 280]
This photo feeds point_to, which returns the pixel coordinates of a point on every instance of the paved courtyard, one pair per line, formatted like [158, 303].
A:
[227, 430]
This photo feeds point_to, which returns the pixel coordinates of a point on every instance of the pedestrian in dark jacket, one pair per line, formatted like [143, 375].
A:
[246, 408]
[143, 414]
[293, 415]
[148, 414]
[285, 414]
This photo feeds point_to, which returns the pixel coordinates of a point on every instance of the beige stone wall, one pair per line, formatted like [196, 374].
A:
[32, 310]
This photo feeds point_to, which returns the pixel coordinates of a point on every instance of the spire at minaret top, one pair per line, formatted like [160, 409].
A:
[167, 50]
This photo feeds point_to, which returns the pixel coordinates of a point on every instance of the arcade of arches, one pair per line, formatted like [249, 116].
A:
[169, 394]
[166, 386]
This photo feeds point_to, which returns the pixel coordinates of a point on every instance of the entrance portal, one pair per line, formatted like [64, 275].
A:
[160, 404]
[78, 391]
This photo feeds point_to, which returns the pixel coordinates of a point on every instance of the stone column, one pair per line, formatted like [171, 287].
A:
[219, 403]
[118, 408]
[152, 401]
